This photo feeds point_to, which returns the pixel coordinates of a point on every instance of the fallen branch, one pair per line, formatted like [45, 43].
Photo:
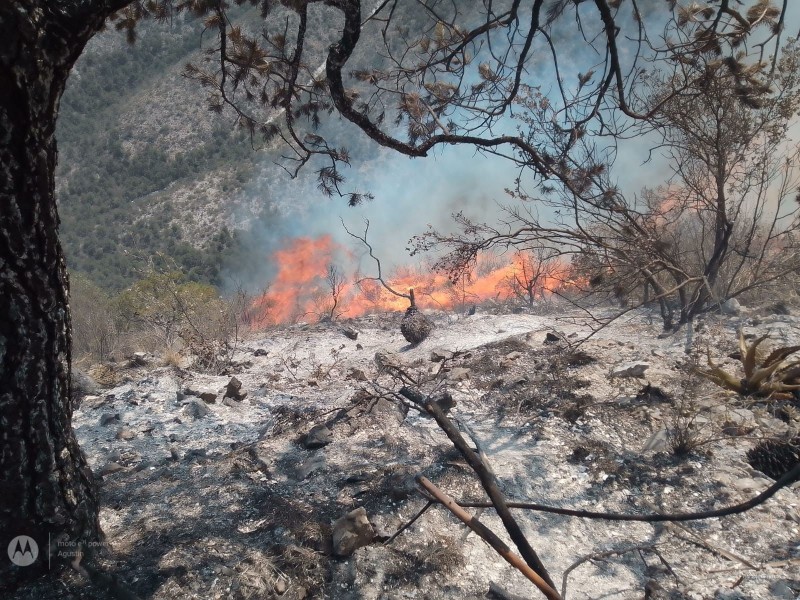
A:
[788, 478]
[409, 523]
[488, 481]
[490, 538]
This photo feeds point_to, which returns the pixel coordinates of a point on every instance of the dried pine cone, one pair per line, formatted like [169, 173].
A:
[775, 458]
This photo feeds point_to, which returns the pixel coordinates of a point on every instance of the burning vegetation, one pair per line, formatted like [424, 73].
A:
[310, 284]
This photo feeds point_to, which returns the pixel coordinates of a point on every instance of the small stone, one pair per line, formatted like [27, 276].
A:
[748, 484]
[309, 466]
[438, 355]
[350, 333]
[196, 409]
[196, 453]
[358, 347]
[634, 369]
[209, 397]
[318, 437]
[458, 374]
[234, 389]
[352, 531]
[780, 589]
[280, 587]
[260, 352]
[109, 418]
[125, 434]
[111, 467]
[553, 338]
[355, 374]
[657, 442]
[230, 402]
[731, 306]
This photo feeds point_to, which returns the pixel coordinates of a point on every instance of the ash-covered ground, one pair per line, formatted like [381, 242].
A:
[211, 488]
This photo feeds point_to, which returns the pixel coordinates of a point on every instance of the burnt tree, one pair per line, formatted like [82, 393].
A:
[46, 486]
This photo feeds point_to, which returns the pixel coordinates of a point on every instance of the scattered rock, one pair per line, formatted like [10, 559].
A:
[553, 337]
[458, 374]
[318, 437]
[658, 441]
[355, 374]
[359, 347]
[439, 355]
[110, 467]
[388, 362]
[203, 393]
[308, 466]
[138, 359]
[634, 369]
[196, 409]
[209, 397]
[196, 453]
[780, 589]
[234, 390]
[260, 352]
[125, 434]
[350, 333]
[280, 586]
[230, 402]
[352, 531]
[108, 418]
[82, 386]
[731, 307]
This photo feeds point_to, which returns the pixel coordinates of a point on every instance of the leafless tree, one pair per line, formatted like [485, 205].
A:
[725, 221]
[331, 299]
[533, 271]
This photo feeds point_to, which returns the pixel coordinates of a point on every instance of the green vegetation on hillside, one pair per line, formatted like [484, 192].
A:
[111, 215]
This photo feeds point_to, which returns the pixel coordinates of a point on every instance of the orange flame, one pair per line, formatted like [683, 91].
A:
[301, 288]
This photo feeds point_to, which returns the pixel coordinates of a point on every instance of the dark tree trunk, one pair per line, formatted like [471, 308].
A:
[46, 489]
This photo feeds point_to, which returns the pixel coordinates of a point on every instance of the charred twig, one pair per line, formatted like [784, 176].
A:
[490, 538]
[409, 523]
[488, 481]
[788, 478]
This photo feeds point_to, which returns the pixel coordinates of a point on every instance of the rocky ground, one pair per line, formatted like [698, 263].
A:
[235, 485]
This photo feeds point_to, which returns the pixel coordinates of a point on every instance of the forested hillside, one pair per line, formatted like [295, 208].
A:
[144, 168]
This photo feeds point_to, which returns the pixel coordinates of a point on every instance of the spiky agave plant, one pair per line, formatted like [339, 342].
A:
[775, 458]
[772, 376]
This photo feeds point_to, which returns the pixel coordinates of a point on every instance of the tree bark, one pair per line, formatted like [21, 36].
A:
[46, 488]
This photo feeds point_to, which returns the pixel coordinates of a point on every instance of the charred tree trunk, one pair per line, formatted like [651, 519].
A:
[46, 489]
